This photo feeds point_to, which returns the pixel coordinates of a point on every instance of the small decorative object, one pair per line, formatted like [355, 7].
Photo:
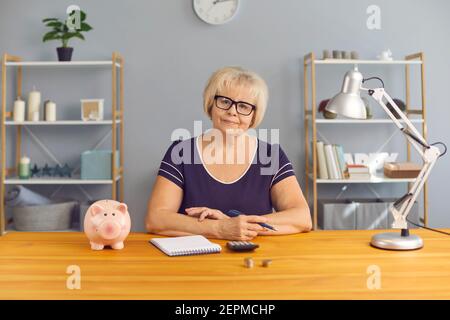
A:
[35, 171]
[57, 171]
[400, 104]
[337, 54]
[266, 262]
[91, 109]
[401, 170]
[342, 54]
[385, 55]
[326, 54]
[107, 223]
[347, 55]
[354, 55]
[66, 171]
[326, 114]
[249, 263]
[24, 168]
[47, 171]
[65, 30]
[19, 110]
[49, 111]
[34, 102]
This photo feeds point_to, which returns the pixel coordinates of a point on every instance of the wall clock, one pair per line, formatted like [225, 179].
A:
[216, 11]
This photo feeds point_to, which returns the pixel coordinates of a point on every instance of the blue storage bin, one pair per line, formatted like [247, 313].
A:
[96, 164]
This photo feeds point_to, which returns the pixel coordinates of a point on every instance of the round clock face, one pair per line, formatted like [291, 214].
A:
[216, 11]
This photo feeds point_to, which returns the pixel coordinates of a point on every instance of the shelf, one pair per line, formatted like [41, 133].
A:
[60, 63]
[373, 179]
[60, 122]
[53, 181]
[371, 121]
[63, 230]
[376, 62]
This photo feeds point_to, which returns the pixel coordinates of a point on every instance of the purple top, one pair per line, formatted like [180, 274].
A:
[249, 194]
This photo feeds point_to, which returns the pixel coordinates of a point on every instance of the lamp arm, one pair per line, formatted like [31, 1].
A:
[401, 208]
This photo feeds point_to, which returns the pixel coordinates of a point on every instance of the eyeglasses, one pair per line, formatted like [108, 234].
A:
[226, 103]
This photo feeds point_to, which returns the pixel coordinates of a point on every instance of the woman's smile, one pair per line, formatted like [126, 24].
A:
[230, 122]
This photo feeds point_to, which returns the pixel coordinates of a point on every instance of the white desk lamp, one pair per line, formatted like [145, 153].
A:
[348, 103]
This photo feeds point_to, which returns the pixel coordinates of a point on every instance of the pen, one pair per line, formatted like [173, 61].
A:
[235, 213]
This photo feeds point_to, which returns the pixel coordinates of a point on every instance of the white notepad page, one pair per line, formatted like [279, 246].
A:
[188, 245]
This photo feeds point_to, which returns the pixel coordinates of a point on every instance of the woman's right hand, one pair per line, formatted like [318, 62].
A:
[242, 227]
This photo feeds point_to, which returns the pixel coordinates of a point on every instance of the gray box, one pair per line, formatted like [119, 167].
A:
[361, 214]
[336, 215]
[371, 215]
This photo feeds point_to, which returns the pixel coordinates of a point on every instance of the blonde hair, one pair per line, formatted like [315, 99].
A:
[230, 77]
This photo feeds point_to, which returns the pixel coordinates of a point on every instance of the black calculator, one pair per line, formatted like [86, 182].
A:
[242, 246]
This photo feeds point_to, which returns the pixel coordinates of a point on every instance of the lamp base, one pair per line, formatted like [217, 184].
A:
[396, 241]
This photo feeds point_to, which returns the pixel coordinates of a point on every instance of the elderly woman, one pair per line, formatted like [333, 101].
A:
[201, 179]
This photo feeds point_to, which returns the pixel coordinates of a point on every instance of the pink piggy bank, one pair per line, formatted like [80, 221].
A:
[107, 223]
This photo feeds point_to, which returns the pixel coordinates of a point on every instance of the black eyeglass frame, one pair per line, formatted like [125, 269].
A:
[234, 103]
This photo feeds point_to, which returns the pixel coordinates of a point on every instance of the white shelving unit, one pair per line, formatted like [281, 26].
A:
[8, 176]
[416, 115]
[107, 63]
[368, 121]
[358, 62]
[61, 123]
[373, 179]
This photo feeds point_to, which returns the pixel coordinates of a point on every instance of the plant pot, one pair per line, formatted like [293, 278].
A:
[64, 53]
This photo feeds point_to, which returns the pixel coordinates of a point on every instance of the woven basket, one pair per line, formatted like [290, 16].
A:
[49, 217]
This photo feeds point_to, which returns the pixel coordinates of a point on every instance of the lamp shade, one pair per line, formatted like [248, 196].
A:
[348, 102]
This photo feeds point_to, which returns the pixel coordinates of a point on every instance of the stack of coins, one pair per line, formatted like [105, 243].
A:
[249, 263]
[266, 262]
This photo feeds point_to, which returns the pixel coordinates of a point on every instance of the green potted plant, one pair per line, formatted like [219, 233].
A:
[66, 30]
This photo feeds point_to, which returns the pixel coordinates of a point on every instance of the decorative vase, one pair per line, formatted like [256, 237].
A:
[64, 53]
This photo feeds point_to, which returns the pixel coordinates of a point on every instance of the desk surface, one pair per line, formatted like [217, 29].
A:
[315, 265]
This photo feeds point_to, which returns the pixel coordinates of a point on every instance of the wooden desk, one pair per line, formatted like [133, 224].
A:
[316, 265]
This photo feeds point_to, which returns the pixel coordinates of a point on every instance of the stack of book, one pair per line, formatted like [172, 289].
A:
[358, 172]
[331, 161]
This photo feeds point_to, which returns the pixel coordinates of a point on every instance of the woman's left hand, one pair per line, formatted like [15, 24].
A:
[204, 212]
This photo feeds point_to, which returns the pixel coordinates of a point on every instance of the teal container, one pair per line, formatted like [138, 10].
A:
[96, 164]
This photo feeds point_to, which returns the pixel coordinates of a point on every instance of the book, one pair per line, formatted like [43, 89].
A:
[332, 174]
[359, 176]
[337, 164]
[185, 246]
[334, 164]
[342, 162]
[323, 173]
[357, 168]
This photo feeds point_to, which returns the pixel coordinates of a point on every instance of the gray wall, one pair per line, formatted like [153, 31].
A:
[170, 54]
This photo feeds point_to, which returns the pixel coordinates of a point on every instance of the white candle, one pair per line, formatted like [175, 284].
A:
[35, 116]
[34, 101]
[50, 111]
[19, 110]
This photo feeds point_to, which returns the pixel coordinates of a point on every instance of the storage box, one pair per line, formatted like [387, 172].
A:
[360, 214]
[96, 164]
[401, 169]
[336, 215]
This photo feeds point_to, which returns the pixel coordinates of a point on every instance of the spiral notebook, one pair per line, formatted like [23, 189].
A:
[185, 246]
